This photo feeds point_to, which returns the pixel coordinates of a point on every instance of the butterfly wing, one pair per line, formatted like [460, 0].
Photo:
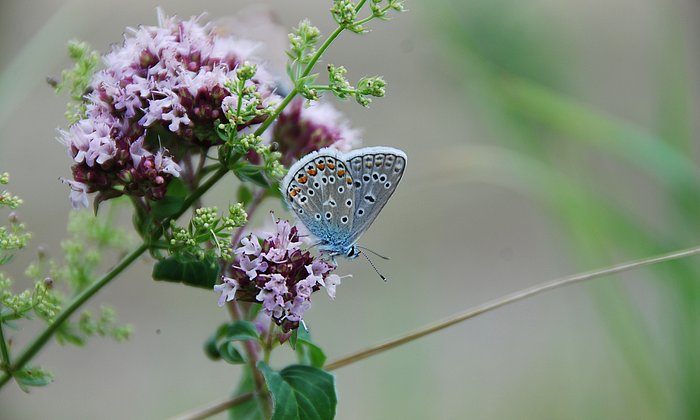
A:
[375, 171]
[319, 190]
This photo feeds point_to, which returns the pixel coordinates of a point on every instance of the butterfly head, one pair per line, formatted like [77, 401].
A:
[352, 252]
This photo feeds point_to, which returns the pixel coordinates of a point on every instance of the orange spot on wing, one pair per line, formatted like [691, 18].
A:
[303, 179]
[348, 180]
[321, 166]
[293, 193]
[311, 171]
[341, 172]
[378, 164]
[331, 165]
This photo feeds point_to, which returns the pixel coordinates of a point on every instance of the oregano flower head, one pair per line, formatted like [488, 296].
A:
[159, 99]
[275, 271]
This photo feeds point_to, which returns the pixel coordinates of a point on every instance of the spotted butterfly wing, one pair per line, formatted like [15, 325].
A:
[318, 189]
[337, 196]
[376, 171]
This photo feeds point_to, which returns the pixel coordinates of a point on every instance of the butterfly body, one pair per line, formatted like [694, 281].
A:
[338, 195]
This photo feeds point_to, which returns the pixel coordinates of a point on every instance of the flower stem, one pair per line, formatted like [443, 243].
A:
[3, 348]
[251, 352]
[507, 299]
[38, 343]
[268, 346]
[307, 70]
[220, 406]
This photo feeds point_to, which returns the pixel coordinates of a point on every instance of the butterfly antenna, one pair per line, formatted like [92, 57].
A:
[375, 253]
[373, 266]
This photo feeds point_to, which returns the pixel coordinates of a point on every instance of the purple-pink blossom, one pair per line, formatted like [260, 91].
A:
[157, 101]
[275, 272]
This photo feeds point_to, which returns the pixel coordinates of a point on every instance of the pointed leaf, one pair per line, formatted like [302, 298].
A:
[238, 331]
[188, 269]
[172, 202]
[230, 354]
[300, 392]
[32, 376]
[308, 353]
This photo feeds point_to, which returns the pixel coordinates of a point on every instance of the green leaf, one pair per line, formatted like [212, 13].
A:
[69, 333]
[238, 331]
[220, 344]
[32, 376]
[300, 392]
[245, 195]
[172, 202]
[229, 353]
[251, 173]
[188, 269]
[211, 349]
[308, 353]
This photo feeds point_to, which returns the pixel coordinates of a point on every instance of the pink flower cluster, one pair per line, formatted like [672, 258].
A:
[278, 274]
[165, 86]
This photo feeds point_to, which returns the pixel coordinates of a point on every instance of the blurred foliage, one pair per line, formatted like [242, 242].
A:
[510, 60]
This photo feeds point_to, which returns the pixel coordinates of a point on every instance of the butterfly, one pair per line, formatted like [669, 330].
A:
[338, 195]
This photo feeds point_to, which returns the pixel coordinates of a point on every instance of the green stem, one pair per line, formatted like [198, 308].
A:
[3, 348]
[251, 352]
[307, 70]
[508, 299]
[463, 316]
[268, 346]
[269, 120]
[41, 340]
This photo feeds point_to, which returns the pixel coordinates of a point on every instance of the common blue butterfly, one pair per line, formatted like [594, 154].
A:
[338, 195]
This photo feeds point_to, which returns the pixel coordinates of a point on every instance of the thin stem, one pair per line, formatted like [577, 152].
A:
[214, 408]
[507, 299]
[327, 43]
[307, 70]
[3, 348]
[41, 340]
[463, 316]
[252, 353]
[268, 346]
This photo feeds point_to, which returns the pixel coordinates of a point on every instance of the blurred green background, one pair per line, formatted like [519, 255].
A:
[544, 138]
